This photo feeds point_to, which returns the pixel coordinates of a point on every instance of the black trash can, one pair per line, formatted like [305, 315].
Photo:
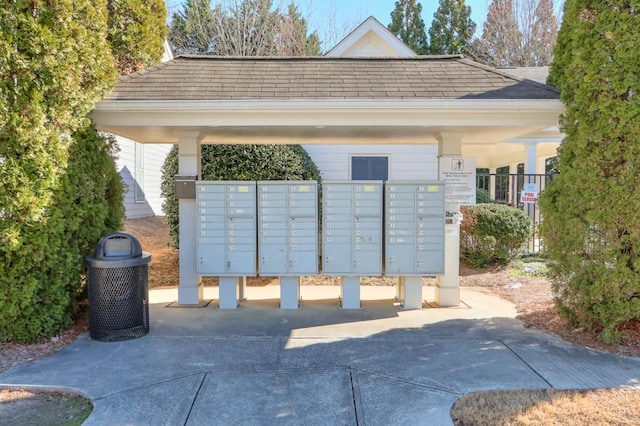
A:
[118, 289]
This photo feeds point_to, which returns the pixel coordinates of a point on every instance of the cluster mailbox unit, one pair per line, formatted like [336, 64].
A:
[414, 235]
[288, 234]
[351, 234]
[270, 228]
[226, 235]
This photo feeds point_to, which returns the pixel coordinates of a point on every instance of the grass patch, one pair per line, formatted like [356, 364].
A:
[529, 267]
[548, 407]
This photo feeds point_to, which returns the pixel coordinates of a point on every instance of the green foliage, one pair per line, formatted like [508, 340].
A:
[451, 29]
[54, 65]
[591, 227]
[492, 233]
[408, 26]
[237, 162]
[136, 32]
[482, 196]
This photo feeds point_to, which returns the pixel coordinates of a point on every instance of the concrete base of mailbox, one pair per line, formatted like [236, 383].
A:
[289, 292]
[350, 293]
[242, 290]
[228, 288]
[409, 292]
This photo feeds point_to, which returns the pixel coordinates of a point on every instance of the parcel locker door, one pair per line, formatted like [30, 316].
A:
[273, 259]
[400, 259]
[211, 259]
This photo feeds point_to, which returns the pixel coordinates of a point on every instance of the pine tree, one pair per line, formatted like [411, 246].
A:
[55, 63]
[192, 29]
[451, 29]
[591, 227]
[408, 26]
[292, 38]
[517, 33]
[136, 31]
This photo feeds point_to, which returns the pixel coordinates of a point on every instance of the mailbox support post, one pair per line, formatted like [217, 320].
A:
[350, 293]
[410, 291]
[190, 290]
[289, 292]
[229, 288]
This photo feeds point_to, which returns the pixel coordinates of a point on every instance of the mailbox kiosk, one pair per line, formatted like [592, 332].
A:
[414, 236]
[351, 234]
[288, 234]
[226, 235]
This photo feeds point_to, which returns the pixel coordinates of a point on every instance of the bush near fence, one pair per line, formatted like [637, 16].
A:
[493, 233]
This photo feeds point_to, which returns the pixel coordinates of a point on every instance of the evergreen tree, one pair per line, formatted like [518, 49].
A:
[451, 29]
[408, 26]
[292, 38]
[517, 33]
[193, 29]
[136, 31]
[55, 63]
[591, 226]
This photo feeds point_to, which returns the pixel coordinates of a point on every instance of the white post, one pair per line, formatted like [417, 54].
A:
[190, 290]
[530, 168]
[447, 291]
[492, 182]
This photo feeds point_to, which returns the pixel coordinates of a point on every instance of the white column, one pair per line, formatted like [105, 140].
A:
[190, 289]
[492, 182]
[531, 158]
[447, 291]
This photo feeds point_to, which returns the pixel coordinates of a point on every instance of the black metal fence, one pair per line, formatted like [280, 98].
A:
[517, 190]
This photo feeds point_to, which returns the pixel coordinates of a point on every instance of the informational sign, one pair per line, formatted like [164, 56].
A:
[459, 173]
[529, 193]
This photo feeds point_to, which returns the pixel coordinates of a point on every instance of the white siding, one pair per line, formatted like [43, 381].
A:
[154, 156]
[406, 162]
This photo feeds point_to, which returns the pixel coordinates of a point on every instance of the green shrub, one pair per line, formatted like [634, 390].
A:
[237, 162]
[492, 233]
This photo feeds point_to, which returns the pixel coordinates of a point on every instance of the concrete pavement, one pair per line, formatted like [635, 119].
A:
[318, 365]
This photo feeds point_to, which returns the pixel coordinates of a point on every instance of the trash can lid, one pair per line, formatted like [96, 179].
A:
[118, 245]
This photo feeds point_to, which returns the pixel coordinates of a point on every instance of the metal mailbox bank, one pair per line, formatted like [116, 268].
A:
[351, 234]
[226, 235]
[414, 236]
[288, 234]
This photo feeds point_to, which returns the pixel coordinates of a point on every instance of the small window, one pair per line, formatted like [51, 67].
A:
[139, 174]
[369, 168]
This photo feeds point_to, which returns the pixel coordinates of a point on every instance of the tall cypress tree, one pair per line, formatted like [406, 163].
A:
[591, 226]
[451, 29]
[408, 26]
[55, 63]
[136, 31]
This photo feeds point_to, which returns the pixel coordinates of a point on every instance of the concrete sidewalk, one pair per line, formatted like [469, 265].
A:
[318, 365]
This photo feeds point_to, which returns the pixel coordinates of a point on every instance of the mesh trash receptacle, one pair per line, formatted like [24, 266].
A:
[118, 289]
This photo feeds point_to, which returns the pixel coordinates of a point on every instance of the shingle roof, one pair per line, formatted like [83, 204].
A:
[248, 78]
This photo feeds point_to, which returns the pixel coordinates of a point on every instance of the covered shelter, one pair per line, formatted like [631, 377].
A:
[464, 108]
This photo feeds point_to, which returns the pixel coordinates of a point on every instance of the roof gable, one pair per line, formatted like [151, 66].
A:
[371, 39]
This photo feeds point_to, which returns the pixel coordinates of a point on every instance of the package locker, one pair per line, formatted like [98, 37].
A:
[287, 228]
[352, 228]
[226, 228]
[414, 228]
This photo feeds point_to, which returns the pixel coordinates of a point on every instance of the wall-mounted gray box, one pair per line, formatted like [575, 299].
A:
[226, 228]
[287, 228]
[185, 187]
[414, 228]
[352, 228]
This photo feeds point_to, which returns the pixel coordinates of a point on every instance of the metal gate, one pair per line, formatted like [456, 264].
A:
[508, 189]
